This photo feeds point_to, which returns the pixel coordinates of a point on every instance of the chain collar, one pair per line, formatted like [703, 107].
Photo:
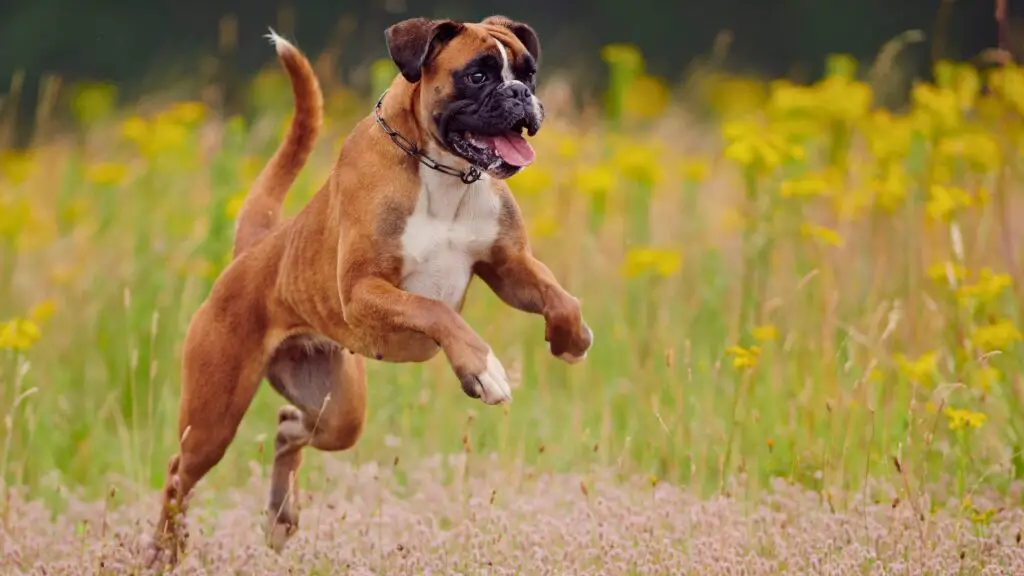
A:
[467, 176]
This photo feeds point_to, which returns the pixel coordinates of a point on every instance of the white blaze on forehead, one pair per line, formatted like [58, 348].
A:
[506, 66]
[507, 77]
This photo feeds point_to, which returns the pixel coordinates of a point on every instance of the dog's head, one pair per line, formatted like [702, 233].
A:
[476, 86]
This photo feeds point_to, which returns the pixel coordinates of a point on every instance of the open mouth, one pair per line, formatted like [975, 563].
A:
[508, 146]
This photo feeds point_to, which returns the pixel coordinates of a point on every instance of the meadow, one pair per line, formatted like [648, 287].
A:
[807, 350]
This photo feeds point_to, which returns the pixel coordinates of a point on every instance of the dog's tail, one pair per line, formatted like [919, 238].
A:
[261, 210]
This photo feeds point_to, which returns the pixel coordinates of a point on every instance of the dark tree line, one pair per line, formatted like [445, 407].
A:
[132, 42]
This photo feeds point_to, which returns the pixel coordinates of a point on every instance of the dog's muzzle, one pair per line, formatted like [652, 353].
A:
[490, 133]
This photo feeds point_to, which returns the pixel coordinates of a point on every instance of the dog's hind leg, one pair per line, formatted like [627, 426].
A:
[326, 386]
[221, 369]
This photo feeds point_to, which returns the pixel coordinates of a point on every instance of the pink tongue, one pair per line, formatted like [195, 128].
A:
[513, 149]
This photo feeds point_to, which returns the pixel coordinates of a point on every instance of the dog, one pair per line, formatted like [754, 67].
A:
[377, 264]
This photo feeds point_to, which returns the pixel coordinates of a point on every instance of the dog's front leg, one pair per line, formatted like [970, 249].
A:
[525, 283]
[379, 306]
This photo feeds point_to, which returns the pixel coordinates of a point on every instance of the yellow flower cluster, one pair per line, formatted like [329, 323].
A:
[960, 419]
[595, 181]
[638, 161]
[999, 335]
[661, 262]
[920, 369]
[16, 166]
[744, 358]
[945, 201]
[987, 288]
[764, 332]
[754, 147]
[167, 131]
[20, 334]
[822, 234]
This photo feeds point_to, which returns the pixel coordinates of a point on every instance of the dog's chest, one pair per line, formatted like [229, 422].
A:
[452, 227]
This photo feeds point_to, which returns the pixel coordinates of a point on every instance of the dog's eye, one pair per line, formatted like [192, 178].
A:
[477, 78]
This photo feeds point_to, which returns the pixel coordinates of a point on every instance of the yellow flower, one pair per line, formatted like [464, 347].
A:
[93, 101]
[16, 167]
[988, 287]
[106, 173]
[43, 310]
[841, 65]
[18, 334]
[641, 260]
[844, 99]
[890, 190]
[960, 419]
[764, 332]
[646, 97]
[744, 358]
[531, 181]
[694, 169]
[1008, 83]
[596, 180]
[166, 135]
[920, 369]
[936, 109]
[822, 234]
[944, 201]
[997, 336]
[15, 213]
[733, 96]
[188, 113]
[134, 129]
[980, 151]
[786, 97]
[626, 55]
[982, 517]
[638, 162]
[751, 145]
[966, 84]
[888, 136]
[807, 186]
[796, 129]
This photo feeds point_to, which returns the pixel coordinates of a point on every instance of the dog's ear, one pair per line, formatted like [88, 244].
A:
[522, 31]
[414, 42]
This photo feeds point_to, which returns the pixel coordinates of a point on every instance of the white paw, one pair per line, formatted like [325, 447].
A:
[492, 385]
[572, 359]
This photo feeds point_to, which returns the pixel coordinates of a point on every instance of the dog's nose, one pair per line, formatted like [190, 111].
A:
[516, 90]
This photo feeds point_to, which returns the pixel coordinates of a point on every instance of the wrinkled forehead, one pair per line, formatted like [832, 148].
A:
[483, 40]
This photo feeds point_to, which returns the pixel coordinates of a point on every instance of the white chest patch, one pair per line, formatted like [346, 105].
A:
[453, 226]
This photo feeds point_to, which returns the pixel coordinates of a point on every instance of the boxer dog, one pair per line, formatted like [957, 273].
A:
[377, 264]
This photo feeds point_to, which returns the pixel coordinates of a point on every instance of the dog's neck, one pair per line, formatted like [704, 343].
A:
[411, 123]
